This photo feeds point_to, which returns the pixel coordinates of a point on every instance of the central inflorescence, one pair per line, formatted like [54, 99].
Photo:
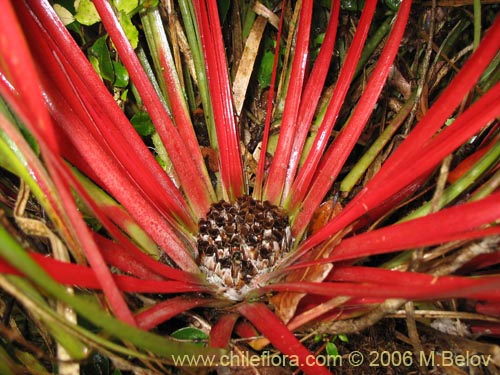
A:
[239, 241]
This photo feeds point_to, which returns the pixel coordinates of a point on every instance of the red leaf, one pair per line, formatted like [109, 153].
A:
[19, 80]
[485, 288]
[165, 310]
[193, 176]
[455, 223]
[77, 275]
[466, 164]
[279, 335]
[220, 334]
[128, 258]
[101, 115]
[396, 175]
[343, 144]
[259, 178]
[42, 128]
[301, 184]
[314, 88]
[274, 184]
[231, 168]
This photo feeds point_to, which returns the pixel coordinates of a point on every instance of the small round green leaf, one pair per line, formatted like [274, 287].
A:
[129, 28]
[331, 349]
[86, 12]
[142, 123]
[190, 333]
[127, 6]
[121, 75]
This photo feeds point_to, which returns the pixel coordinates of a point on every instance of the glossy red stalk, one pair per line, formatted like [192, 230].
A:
[165, 310]
[281, 337]
[230, 165]
[259, 176]
[447, 102]
[18, 49]
[418, 164]
[221, 332]
[359, 274]
[107, 158]
[484, 288]
[175, 93]
[489, 308]
[191, 175]
[312, 93]
[102, 114]
[80, 145]
[343, 144]
[275, 182]
[94, 257]
[461, 222]
[482, 261]
[128, 258]
[18, 70]
[72, 274]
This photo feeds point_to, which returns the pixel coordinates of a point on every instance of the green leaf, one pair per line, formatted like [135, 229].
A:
[64, 14]
[109, 70]
[343, 338]
[142, 123]
[124, 95]
[100, 51]
[331, 349]
[318, 41]
[86, 12]
[121, 75]
[189, 333]
[127, 6]
[352, 5]
[266, 69]
[129, 28]
[393, 4]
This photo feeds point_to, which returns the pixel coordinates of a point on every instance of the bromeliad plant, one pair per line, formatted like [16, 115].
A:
[258, 250]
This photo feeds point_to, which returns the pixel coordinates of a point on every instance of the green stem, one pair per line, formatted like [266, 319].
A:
[33, 301]
[7, 365]
[188, 16]
[369, 156]
[488, 188]
[38, 306]
[15, 255]
[477, 23]
[248, 21]
[462, 183]
[491, 74]
[150, 73]
[373, 43]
